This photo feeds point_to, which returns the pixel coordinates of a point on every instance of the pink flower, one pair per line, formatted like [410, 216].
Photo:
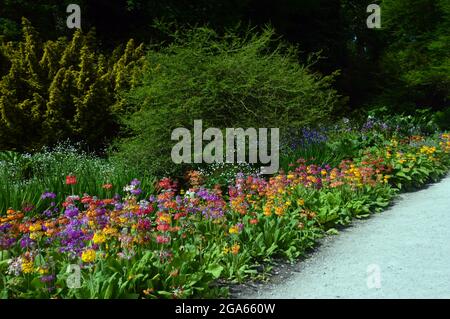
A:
[162, 239]
[163, 227]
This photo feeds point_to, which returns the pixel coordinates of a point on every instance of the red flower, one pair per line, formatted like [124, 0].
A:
[253, 221]
[143, 224]
[167, 184]
[107, 186]
[71, 180]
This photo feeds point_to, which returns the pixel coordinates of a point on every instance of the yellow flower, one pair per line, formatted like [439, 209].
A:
[122, 220]
[300, 202]
[233, 230]
[165, 218]
[226, 250]
[394, 143]
[35, 227]
[109, 231]
[27, 266]
[42, 271]
[99, 238]
[36, 235]
[88, 256]
[427, 150]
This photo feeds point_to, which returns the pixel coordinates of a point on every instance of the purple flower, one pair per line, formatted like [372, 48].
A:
[6, 242]
[5, 227]
[71, 211]
[48, 195]
[368, 125]
[240, 175]
[136, 192]
[26, 242]
[47, 213]
[73, 238]
[135, 182]
[48, 278]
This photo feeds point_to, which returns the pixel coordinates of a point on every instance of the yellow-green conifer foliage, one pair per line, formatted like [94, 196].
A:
[62, 89]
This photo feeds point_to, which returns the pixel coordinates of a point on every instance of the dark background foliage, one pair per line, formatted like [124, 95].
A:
[403, 66]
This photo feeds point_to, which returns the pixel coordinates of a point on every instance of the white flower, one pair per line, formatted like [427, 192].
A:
[189, 194]
[143, 204]
[128, 188]
[15, 266]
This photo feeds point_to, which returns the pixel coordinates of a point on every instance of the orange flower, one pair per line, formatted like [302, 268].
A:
[235, 249]
[148, 291]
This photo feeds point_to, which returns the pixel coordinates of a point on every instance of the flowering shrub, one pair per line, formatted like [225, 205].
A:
[177, 243]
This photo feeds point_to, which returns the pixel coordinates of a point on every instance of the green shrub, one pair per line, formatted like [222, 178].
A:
[61, 90]
[442, 119]
[228, 81]
[416, 62]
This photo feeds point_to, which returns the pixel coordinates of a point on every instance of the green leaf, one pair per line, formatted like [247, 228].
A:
[332, 231]
[215, 270]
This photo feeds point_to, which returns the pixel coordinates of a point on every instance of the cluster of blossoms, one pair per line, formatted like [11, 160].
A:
[445, 142]
[133, 188]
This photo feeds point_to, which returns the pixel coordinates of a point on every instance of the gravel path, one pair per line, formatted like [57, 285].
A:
[403, 252]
